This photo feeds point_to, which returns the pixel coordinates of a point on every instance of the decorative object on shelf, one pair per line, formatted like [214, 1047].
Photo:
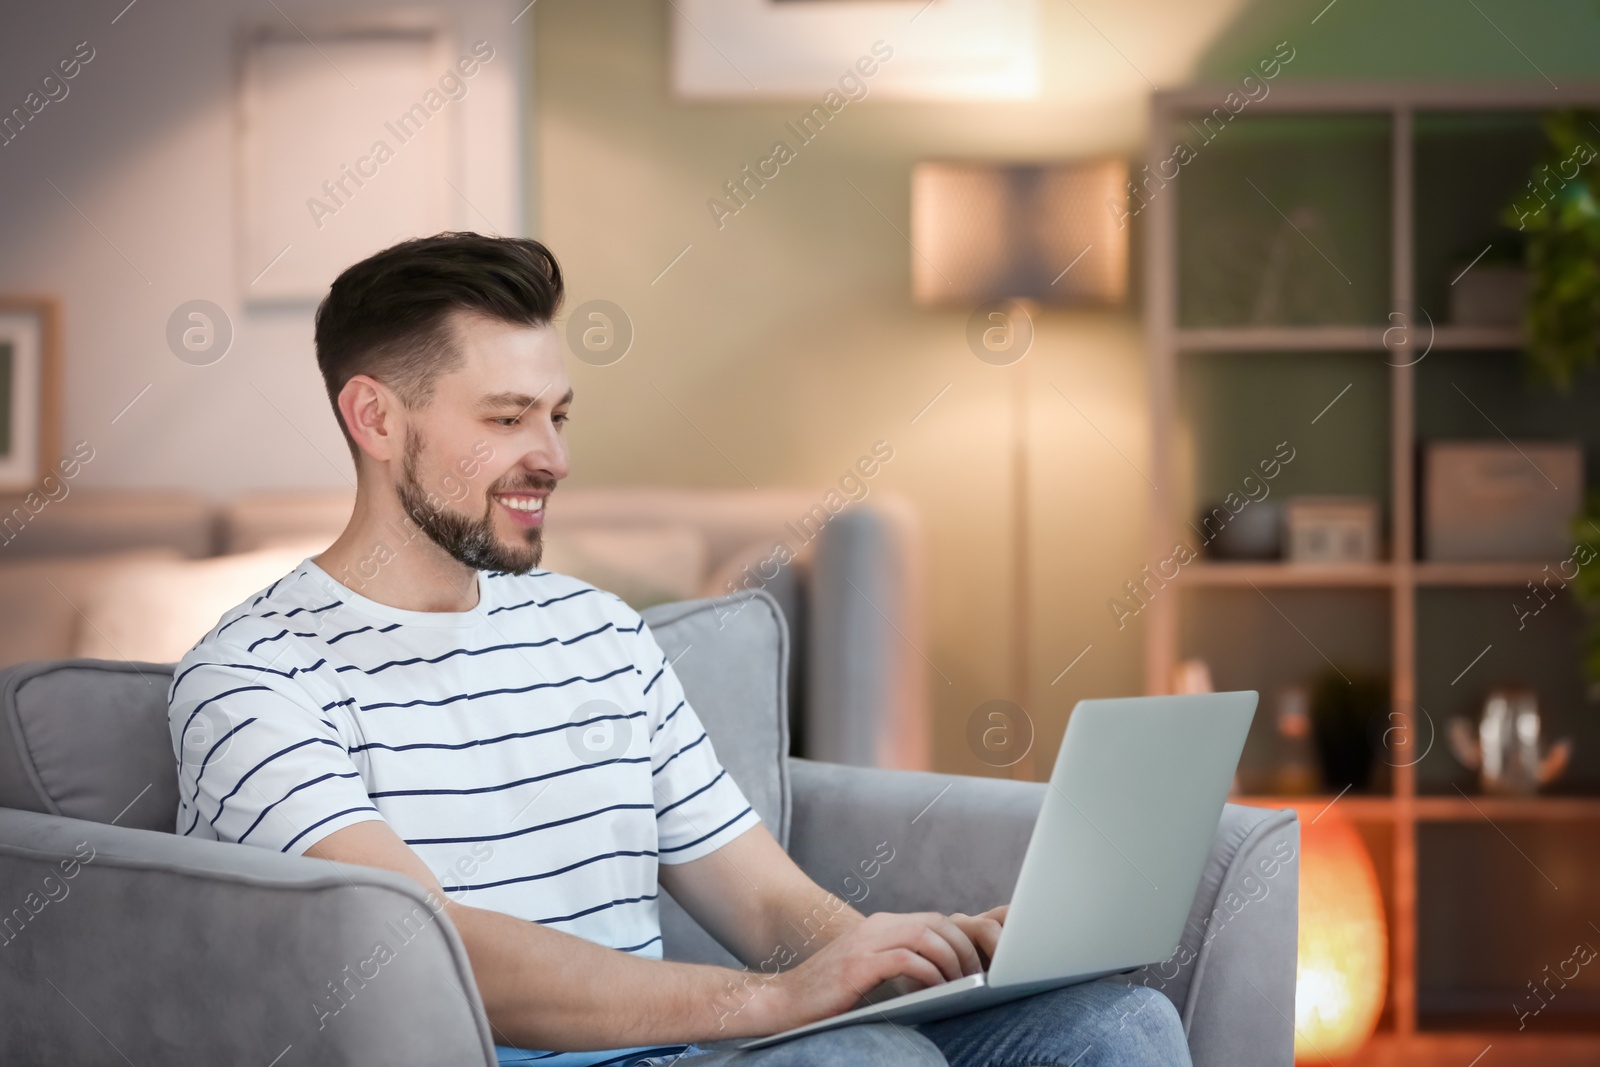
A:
[1343, 968]
[1192, 676]
[1491, 290]
[1256, 532]
[30, 392]
[1347, 711]
[1505, 747]
[1500, 500]
[1332, 529]
[1295, 773]
[1559, 213]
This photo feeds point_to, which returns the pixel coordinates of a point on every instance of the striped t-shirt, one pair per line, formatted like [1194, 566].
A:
[537, 751]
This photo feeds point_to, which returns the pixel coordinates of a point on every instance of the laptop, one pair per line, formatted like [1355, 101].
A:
[1115, 858]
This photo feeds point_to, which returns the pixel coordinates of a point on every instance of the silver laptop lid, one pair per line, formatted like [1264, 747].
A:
[1127, 823]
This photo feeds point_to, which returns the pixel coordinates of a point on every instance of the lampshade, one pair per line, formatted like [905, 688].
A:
[1344, 944]
[1056, 234]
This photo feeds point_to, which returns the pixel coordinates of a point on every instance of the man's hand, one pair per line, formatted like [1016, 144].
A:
[983, 930]
[909, 952]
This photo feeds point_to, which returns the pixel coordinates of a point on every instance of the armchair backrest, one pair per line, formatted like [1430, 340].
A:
[88, 739]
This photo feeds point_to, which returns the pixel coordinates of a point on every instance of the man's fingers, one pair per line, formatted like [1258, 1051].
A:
[906, 963]
[959, 939]
[983, 931]
[934, 946]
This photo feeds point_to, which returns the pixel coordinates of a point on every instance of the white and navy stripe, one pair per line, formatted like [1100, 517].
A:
[537, 751]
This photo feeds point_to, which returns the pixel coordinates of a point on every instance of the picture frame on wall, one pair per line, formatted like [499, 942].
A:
[30, 393]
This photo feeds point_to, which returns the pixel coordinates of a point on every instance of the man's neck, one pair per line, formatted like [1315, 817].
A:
[385, 556]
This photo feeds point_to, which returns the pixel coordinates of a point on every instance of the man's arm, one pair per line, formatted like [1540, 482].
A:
[762, 907]
[545, 989]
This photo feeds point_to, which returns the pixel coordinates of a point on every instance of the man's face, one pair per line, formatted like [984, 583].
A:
[488, 448]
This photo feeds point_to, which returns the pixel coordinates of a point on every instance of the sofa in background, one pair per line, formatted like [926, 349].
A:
[142, 575]
[179, 951]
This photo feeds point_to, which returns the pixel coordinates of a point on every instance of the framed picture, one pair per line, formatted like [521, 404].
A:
[30, 392]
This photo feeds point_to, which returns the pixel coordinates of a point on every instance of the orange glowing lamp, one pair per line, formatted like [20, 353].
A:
[1344, 944]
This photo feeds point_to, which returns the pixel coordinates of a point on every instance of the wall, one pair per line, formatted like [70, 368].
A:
[118, 200]
[782, 345]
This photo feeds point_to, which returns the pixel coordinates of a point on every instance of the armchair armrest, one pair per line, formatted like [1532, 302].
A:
[239, 953]
[956, 844]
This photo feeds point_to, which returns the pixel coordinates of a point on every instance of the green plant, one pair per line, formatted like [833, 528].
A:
[1586, 583]
[1560, 214]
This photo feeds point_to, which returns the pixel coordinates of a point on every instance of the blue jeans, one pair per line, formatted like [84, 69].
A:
[1108, 1023]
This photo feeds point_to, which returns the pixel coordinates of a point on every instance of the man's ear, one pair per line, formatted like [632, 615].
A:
[372, 414]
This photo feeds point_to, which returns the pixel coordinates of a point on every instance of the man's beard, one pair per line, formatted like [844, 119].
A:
[467, 540]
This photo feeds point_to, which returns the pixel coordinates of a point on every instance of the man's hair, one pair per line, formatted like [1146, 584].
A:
[389, 316]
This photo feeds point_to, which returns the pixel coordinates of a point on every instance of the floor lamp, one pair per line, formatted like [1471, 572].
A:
[1004, 240]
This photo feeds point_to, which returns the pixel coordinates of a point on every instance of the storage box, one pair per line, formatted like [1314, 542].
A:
[1332, 529]
[1500, 501]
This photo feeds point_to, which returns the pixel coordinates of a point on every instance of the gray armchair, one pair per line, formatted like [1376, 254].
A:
[120, 941]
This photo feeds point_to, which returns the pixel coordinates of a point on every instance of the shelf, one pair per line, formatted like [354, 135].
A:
[1368, 808]
[1480, 337]
[1306, 575]
[1508, 809]
[1363, 575]
[1344, 338]
[1363, 808]
[1461, 1049]
[1478, 574]
[1280, 339]
[1252, 336]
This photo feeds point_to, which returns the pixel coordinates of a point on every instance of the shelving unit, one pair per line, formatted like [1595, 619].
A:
[1372, 132]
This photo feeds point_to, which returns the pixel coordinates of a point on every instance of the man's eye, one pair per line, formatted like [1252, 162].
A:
[560, 416]
[510, 420]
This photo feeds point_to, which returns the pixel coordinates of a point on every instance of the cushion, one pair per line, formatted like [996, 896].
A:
[732, 655]
[644, 565]
[155, 610]
[40, 599]
[88, 738]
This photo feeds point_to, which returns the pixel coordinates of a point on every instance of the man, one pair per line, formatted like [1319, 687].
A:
[417, 698]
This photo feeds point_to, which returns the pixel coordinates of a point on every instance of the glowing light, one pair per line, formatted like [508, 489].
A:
[1344, 943]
